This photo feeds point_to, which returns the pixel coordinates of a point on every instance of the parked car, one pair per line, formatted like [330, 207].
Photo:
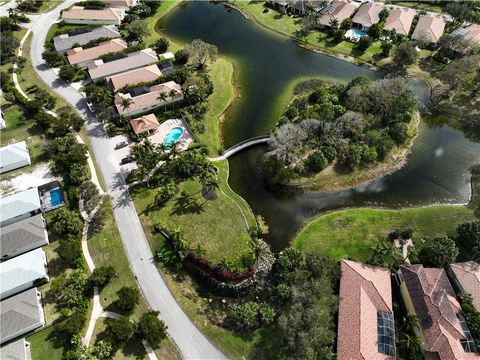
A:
[120, 145]
[127, 159]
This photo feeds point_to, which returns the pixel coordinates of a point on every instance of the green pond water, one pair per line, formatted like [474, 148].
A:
[437, 171]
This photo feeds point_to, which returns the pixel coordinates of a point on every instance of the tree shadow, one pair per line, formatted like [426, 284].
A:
[186, 204]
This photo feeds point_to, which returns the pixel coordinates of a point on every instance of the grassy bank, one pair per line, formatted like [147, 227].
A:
[315, 40]
[350, 233]
[223, 94]
[216, 225]
[152, 21]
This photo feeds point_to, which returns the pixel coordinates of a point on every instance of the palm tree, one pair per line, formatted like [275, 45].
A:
[178, 242]
[334, 23]
[412, 344]
[172, 93]
[411, 324]
[162, 96]
[166, 192]
[126, 102]
[386, 254]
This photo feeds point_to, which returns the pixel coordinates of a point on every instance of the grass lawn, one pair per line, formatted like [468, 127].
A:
[106, 249]
[318, 40]
[44, 347]
[350, 233]
[203, 222]
[222, 75]
[163, 10]
[14, 116]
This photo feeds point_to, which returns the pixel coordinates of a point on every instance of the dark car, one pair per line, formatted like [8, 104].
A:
[127, 159]
[120, 145]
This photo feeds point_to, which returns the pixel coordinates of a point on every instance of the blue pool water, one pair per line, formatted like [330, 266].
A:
[358, 32]
[56, 197]
[173, 136]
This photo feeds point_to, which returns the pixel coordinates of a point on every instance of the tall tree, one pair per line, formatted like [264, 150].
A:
[201, 52]
[152, 329]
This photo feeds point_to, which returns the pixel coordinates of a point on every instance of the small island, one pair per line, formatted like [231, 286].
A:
[337, 136]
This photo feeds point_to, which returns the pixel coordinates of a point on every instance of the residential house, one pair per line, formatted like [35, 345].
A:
[14, 156]
[20, 315]
[150, 100]
[84, 56]
[429, 29]
[23, 236]
[470, 36]
[64, 42]
[339, 10]
[16, 350]
[99, 69]
[301, 7]
[367, 15]
[428, 294]
[365, 315]
[400, 20]
[19, 206]
[145, 124]
[280, 5]
[22, 272]
[132, 77]
[466, 277]
[122, 4]
[82, 15]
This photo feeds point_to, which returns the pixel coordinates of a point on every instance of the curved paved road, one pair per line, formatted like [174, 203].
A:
[191, 342]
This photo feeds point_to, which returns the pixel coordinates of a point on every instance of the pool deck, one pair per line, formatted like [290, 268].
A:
[156, 138]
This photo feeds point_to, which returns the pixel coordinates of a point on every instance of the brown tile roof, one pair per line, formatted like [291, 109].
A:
[144, 74]
[80, 13]
[145, 123]
[364, 290]
[473, 34]
[149, 99]
[468, 275]
[400, 19]
[80, 55]
[339, 10]
[436, 307]
[368, 14]
[133, 60]
[429, 28]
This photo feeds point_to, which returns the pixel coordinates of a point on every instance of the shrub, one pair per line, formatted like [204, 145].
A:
[67, 222]
[364, 42]
[244, 316]
[128, 299]
[438, 252]
[181, 57]
[316, 162]
[152, 329]
[102, 275]
[162, 45]
[119, 331]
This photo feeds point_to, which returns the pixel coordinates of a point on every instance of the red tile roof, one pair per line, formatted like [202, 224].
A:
[436, 307]
[144, 123]
[429, 28]
[364, 290]
[80, 55]
[368, 14]
[468, 275]
[400, 19]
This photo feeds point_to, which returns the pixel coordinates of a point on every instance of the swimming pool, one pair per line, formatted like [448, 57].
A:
[358, 33]
[173, 136]
[56, 197]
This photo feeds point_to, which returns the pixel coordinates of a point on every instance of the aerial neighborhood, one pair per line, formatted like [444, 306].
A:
[279, 179]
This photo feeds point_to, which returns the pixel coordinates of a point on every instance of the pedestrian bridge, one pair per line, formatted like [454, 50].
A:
[258, 140]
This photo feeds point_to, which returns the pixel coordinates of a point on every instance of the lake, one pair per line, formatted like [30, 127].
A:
[437, 170]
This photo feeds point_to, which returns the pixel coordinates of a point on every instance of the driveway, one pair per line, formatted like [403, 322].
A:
[191, 342]
[121, 153]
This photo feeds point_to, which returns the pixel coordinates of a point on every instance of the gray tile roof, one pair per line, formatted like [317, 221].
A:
[14, 156]
[20, 314]
[17, 350]
[18, 204]
[64, 42]
[19, 273]
[23, 236]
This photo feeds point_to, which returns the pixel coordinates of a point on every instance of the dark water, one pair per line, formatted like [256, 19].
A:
[437, 171]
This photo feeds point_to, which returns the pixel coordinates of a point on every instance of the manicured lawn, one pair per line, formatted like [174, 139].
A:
[288, 25]
[44, 346]
[351, 233]
[162, 11]
[222, 75]
[106, 249]
[14, 116]
[217, 225]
